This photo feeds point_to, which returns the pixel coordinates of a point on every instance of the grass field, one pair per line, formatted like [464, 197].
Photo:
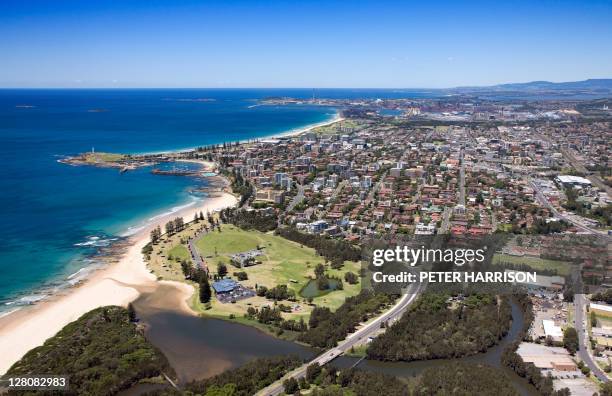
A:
[563, 268]
[165, 260]
[179, 252]
[283, 263]
[103, 157]
[603, 320]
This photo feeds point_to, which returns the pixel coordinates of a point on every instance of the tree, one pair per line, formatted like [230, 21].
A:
[226, 390]
[131, 313]
[248, 378]
[179, 225]
[570, 340]
[319, 270]
[322, 283]
[205, 292]
[170, 227]
[291, 386]
[241, 275]
[155, 234]
[606, 389]
[221, 270]
[312, 372]
[89, 350]
[351, 278]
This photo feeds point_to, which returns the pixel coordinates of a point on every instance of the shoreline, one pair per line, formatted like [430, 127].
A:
[119, 282]
[276, 135]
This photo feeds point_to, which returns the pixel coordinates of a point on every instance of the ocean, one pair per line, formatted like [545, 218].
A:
[55, 217]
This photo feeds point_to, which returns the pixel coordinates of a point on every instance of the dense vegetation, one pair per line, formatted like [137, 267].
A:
[336, 251]
[326, 328]
[355, 382]
[513, 360]
[242, 187]
[464, 379]
[570, 340]
[434, 329]
[250, 219]
[242, 381]
[603, 214]
[102, 352]
[605, 296]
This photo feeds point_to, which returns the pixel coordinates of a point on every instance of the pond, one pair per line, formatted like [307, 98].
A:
[311, 289]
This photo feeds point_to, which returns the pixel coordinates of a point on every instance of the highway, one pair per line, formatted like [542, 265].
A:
[370, 328]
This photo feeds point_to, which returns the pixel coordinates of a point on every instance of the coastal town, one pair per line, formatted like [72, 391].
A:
[537, 173]
[285, 251]
[293, 198]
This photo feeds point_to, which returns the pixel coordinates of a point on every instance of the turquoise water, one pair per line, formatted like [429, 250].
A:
[55, 217]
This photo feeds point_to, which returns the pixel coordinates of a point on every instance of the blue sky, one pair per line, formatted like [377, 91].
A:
[404, 44]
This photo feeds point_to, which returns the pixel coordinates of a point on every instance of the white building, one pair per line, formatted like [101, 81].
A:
[572, 181]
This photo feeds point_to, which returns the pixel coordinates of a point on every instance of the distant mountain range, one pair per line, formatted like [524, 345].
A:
[600, 86]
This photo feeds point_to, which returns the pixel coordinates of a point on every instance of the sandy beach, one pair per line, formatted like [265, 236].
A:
[299, 131]
[116, 284]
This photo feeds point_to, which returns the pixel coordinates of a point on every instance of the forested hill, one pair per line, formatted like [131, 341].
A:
[594, 84]
[102, 352]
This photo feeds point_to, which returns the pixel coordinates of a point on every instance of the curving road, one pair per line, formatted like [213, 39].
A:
[395, 312]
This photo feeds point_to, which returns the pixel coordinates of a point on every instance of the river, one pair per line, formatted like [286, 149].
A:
[202, 347]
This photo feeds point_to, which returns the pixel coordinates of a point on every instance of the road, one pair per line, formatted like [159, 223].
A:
[337, 190]
[573, 161]
[445, 226]
[363, 333]
[376, 187]
[595, 179]
[584, 353]
[462, 179]
[193, 251]
[299, 197]
[543, 201]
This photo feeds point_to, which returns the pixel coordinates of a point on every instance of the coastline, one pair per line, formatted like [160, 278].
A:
[120, 282]
[276, 135]
[336, 118]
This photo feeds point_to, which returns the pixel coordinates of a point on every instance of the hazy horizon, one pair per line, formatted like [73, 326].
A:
[306, 88]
